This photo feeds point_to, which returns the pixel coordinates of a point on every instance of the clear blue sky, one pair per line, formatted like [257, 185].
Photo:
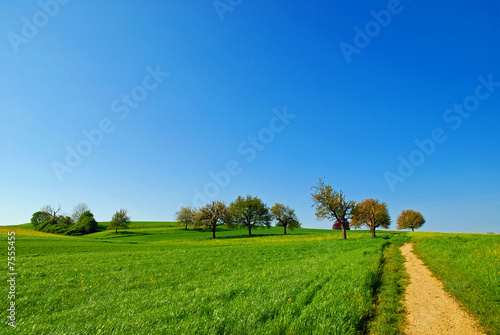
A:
[281, 93]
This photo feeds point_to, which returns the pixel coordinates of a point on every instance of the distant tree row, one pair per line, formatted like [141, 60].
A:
[80, 222]
[244, 212]
[333, 205]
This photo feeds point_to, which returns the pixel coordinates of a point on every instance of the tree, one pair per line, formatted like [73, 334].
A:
[212, 215]
[185, 216]
[119, 220]
[58, 225]
[39, 219]
[285, 217]
[250, 212]
[86, 224]
[332, 205]
[410, 219]
[52, 211]
[371, 213]
[78, 210]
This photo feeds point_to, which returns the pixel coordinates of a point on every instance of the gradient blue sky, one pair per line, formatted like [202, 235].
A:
[353, 120]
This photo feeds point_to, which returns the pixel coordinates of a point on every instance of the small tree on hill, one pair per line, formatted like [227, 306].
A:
[212, 215]
[119, 220]
[410, 219]
[185, 216]
[332, 205]
[250, 212]
[371, 213]
[285, 217]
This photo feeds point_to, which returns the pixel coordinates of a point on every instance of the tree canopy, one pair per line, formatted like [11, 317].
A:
[250, 212]
[285, 217]
[48, 221]
[332, 205]
[410, 219]
[119, 220]
[86, 224]
[185, 216]
[371, 213]
[212, 215]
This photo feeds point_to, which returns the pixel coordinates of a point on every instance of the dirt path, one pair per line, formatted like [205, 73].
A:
[431, 310]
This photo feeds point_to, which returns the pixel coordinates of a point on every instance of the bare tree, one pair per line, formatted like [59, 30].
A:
[51, 210]
[78, 210]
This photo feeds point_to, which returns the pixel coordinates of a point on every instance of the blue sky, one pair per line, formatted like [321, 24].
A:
[143, 105]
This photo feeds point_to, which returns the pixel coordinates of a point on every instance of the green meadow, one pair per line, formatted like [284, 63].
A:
[469, 267]
[156, 278]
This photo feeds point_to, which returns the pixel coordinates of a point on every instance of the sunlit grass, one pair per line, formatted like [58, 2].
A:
[302, 283]
[27, 232]
[469, 266]
[159, 278]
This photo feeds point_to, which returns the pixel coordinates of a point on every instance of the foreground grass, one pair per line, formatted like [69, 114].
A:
[469, 267]
[156, 278]
[307, 283]
[390, 313]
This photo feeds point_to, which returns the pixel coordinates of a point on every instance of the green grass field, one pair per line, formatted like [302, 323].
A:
[469, 267]
[155, 278]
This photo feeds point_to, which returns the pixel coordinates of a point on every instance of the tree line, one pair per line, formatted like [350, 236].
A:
[372, 213]
[245, 212]
[80, 222]
[250, 212]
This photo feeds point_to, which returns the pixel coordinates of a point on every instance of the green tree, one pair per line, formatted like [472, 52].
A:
[371, 213]
[185, 216]
[86, 224]
[40, 219]
[119, 220]
[332, 205]
[212, 215]
[250, 212]
[285, 217]
[410, 219]
[58, 225]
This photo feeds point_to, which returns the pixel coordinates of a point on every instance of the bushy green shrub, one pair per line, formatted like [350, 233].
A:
[47, 223]
[86, 224]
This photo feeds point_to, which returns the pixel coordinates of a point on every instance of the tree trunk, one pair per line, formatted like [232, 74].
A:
[116, 230]
[186, 227]
[412, 229]
[372, 229]
[213, 230]
[344, 235]
[284, 230]
[249, 230]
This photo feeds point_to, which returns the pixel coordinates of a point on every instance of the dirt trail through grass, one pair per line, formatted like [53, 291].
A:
[431, 310]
